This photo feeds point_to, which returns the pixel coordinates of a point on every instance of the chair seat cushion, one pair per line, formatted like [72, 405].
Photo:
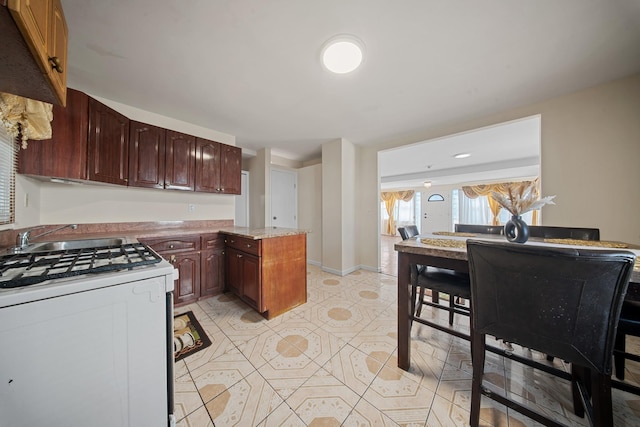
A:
[446, 281]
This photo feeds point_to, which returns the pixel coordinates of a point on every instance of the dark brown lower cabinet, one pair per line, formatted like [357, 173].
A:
[199, 260]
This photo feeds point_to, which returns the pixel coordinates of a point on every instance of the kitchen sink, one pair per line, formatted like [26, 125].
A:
[73, 244]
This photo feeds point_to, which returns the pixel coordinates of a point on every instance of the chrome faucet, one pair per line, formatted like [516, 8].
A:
[22, 240]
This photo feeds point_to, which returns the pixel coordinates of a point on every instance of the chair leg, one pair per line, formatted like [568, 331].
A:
[452, 304]
[579, 375]
[618, 355]
[420, 299]
[414, 291]
[477, 357]
[601, 399]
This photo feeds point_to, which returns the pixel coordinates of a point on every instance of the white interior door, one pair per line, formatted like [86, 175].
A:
[242, 202]
[436, 213]
[284, 198]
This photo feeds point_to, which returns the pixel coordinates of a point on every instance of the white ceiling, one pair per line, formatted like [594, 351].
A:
[251, 68]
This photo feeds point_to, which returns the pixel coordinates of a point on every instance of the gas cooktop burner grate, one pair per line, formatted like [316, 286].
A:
[25, 269]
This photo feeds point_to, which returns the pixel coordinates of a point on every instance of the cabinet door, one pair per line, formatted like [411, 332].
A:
[146, 156]
[187, 287]
[207, 166]
[108, 144]
[212, 278]
[57, 55]
[251, 283]
[65, 154]
[230, 169]
[234, 271]
[180, 155]
[34, 20]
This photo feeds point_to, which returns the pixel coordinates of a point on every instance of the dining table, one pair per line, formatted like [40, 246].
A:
[449, 250]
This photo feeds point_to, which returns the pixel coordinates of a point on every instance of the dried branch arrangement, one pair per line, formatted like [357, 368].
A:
[522, 198]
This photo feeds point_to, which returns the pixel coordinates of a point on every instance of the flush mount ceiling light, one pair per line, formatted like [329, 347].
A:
[461, 155]
[427, 184]
[342, 54]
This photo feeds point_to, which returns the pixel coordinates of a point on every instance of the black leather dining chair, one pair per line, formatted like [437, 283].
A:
[437, 280]
[576, 233]
[479, 229]
[629, 324]
[560, 301]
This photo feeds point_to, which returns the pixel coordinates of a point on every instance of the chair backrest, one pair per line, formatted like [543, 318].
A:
[564, 302]
[548, 232]
[480, 229]
[403, 233]
[412, 230]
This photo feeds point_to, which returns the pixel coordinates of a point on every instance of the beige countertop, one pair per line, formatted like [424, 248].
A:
[261, 233]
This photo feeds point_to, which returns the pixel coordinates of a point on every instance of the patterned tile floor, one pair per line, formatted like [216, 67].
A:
[332, 362]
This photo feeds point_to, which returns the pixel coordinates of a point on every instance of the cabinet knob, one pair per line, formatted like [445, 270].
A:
[248, 245]
[56, 64]
[239, 256]
[171, 246]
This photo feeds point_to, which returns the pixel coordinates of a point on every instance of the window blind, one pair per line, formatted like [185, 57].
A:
[8, 166]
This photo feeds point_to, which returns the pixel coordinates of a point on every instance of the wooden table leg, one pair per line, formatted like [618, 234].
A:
[404, 303]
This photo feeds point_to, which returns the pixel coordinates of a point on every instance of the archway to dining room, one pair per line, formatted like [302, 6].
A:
[426, 179]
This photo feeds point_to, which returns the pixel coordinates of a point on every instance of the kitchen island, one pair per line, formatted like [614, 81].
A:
[266, 267]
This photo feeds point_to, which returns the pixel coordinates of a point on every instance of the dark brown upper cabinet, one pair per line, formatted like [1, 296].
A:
[218, 167]
[230, 169]
[108, 158]
[65, 154]
[96, 143]
[146, 155]
[180, 161]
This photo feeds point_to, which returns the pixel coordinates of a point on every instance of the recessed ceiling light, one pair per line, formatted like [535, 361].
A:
[342, 54]
[427, 184]
[461, 155]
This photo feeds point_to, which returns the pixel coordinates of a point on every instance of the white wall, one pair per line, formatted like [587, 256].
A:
[590, 147]
[309, 207]
[51, 203]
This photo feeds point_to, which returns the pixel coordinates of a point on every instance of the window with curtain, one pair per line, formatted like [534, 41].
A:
[477, 211]
[8, 165]
[404, 212]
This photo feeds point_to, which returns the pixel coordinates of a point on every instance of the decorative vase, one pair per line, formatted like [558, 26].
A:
[516, 230]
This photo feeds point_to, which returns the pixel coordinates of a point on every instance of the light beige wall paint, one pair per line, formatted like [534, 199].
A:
[332, 206]
[589, 148]
[59, 203]
[63, 203]
[349, 219]
[367, 210]
[309, 209]
[338, 207]
[260, 182]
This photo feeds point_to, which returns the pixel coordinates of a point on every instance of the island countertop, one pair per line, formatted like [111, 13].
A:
[261, 233]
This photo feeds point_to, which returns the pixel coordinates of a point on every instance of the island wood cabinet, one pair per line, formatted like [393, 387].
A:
[34, 58]
[269, 274]
[200, 263]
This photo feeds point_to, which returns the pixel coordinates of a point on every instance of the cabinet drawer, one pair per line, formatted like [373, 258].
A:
[211, 241]
[174, 243]
[243, 244]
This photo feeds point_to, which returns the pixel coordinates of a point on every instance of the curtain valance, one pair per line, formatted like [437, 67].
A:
[475, 191]
[27, 117]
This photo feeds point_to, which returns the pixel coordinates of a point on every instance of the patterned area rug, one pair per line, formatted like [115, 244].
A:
[188, 336]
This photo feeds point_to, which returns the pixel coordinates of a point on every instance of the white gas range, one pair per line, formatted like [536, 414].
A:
[87, 338]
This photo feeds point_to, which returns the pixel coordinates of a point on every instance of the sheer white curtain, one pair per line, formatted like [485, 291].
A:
[473, 211]
[477, 211]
